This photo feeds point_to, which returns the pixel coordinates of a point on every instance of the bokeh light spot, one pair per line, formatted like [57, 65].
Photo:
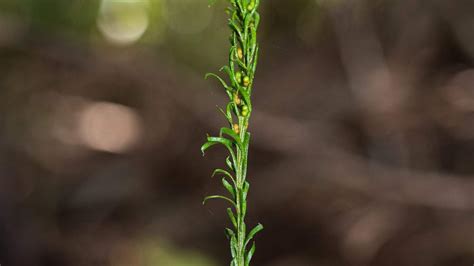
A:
[109, 127]
[123, 21]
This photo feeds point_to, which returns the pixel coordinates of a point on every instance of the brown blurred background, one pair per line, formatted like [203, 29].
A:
[363, 134]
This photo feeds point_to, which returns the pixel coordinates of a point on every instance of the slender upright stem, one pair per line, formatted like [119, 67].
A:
[243, 56]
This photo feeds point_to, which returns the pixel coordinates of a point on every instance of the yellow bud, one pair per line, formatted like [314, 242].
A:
[245, 112]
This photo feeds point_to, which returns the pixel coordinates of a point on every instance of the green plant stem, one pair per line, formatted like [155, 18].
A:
[241, 230]
[243, 56]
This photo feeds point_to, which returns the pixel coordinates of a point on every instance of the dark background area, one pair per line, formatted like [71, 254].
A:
[363, 133]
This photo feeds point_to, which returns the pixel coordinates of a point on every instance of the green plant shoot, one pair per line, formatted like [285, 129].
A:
[244, 20]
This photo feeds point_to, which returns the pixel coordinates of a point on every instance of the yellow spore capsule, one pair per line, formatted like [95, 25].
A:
[238, 77]
[236, 128]
[237, 99]
[240, 53]
[246, 81]
[245, 110]
[251, 6]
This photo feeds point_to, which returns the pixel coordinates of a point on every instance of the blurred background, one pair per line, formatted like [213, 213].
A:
[363, 133]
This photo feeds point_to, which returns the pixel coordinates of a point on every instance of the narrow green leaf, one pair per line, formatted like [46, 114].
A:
[229, 107]
[240, 6]
[257, 4]
[218, 197]
[232, 217]
[233, 26]
[206, 146]
[232, 54]
[229, 233]
[255, 60]
[211, 141]
[245, 154]
[226, 115]
[253, 232]
[224, 84]
[253, 44]
[222, 172]
[257, 19]
[229, 163]
[229, 132]
[247, 21]
[230, 73]
[241, 64]
[247, 139]
[245, 95]
[249, 256]
[228, 187]
[245, 190]
[233, 243]
[220, 140]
